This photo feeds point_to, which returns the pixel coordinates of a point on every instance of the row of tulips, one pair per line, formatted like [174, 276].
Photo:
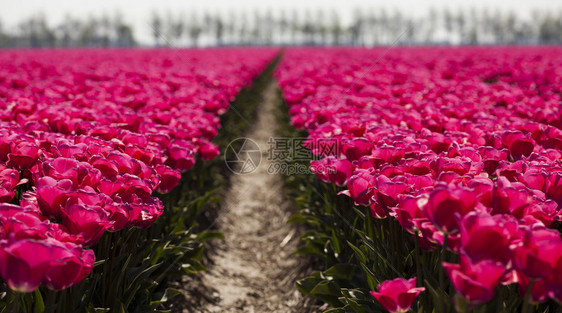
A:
[90, 138]
[462, 147]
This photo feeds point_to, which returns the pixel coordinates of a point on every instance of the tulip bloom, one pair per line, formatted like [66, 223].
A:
[69, 265]
[397, 295]
[86, 220]
[537, 253]
[488, 237]
[24, 263]
[169, 178]
[24, 156]
[360, 187]
[445, 203]
[478, 281]
[52, 194]
[9, 180]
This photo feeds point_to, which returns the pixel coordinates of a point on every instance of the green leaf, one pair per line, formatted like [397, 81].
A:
[341, 271]
[119, 307]
[355, 306]
[325, 288]
[441, 300]
[209, 235]
[143, 274]
[168, 294]
[360, 301]
[336, 244]
[371, 278]
[358, 253]
[336, 310]
[306, 285]
[39, 306]
[192, 268]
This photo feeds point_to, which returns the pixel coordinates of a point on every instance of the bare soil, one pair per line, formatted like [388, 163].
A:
[253, 268]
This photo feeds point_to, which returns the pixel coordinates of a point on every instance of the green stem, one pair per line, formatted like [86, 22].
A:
[417, 259]
[499, 307]
[369, 222]
[419, 272]
[442, 259]
[16, 302]
[396, 256]
[527, 302]
[51, 295]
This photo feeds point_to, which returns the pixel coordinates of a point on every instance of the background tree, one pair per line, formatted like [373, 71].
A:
[156, 26]
[374, 26]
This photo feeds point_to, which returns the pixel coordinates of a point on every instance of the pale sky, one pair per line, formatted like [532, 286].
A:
[137, 12]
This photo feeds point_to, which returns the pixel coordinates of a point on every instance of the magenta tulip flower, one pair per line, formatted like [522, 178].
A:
[485, 237]
[447, 202]
[86, 220]
[169, 178]
[397, 295]
[537, 253]
[360, 187]
[24, 263]
[52, 194]
[24, 156]
[477, 281]
[69, 265]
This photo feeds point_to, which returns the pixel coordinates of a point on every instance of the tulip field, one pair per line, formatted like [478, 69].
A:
[452, 160]
[90, 140]
[435, 184]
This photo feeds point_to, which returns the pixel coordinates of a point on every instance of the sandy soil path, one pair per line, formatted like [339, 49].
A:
[253, 269]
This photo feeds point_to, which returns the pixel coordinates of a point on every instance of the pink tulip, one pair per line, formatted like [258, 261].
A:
[111, 187]
[408, 210]
[397, 295]
[477, 281]
[518, 144]
[339, 171]
[332, 170]
[207, 150]
[9, 180]
[23, 224]
[24, 156]
[360, 187]
[69, 265]
[387, 191]
[134, 185]
[485, 237]
[24, 263]
[169, 178]
[447, 202]
[149, 212]
[554, 187]
[537, 252]
[61, 168]
[109, 169]
[180, 158]
[386, 154]
[52, 195]
[89, 221]
[356, 148]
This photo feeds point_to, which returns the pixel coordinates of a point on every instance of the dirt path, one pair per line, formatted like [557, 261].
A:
[254, 270]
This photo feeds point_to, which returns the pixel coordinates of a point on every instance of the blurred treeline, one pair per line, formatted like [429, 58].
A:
[101, 31]
[291, 27]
